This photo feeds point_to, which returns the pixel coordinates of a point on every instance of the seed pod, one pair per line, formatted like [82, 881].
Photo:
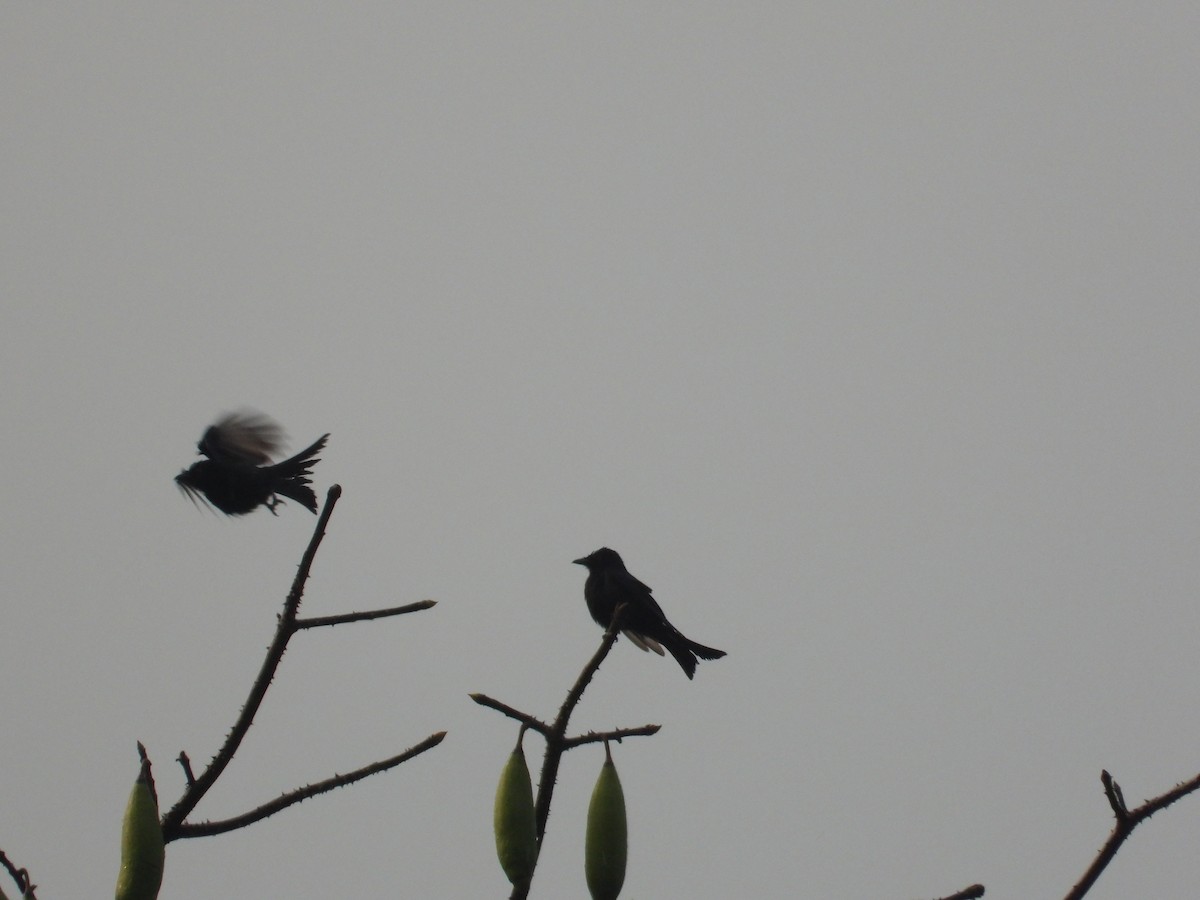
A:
[513, 818]
[142, 849]
[607, 842]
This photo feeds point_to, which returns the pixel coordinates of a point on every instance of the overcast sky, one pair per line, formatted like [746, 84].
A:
[868, 334]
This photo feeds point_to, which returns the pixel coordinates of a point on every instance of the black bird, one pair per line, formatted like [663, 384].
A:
[609, 583]
[237, 477]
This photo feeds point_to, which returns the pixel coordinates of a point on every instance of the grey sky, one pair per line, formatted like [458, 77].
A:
[866, 333]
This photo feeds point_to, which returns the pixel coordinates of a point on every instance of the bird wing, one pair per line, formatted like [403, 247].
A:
[629, 588]
[626, 581]
[245, 437]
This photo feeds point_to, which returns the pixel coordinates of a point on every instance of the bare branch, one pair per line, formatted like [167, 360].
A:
[529, 721]
[581, 683]
[321, 621]
[973, 892]
[1127, 820]
[206, 829]
[186, 764]
[20, 877]
[593, 737]
[555, 740]
[174, 825]
[284, 629]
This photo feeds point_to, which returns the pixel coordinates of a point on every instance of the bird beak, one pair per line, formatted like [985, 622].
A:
[580, 562]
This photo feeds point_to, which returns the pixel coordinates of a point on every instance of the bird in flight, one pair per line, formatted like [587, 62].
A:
[237, 475]
[644, 623]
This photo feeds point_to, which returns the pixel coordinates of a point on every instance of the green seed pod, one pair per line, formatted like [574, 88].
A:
[607, 842]
[142, 850]
[513, 818]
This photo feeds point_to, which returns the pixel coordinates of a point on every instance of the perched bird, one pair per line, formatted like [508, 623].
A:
[237, 475]
[609, 584]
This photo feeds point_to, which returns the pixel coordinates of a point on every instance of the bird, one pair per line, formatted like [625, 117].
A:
[609, 584]
[237, 475]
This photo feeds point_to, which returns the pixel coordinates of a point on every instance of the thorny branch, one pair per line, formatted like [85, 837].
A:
[288, 624]
[206, 829]
[20, 876]
[557, 743]
[321, 621]
[974, 892]
[1127, 820]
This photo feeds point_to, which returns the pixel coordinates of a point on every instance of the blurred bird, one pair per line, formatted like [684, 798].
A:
[238, 476]
[609, 584]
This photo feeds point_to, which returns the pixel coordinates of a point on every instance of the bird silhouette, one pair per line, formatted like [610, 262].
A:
[609, 584]
[237, 475]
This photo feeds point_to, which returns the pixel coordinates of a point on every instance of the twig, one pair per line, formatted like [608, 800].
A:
[536, 724]
[524, 718]
[206, 829]
[321, 621]
[974, 892]
[1126, 820]
[20, 876]
[593, 737]
[186, 764]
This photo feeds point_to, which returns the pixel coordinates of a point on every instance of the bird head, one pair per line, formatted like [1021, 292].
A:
[599, 559]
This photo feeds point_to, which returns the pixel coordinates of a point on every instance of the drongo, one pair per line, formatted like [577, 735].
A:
[237, 475]
[644, 623]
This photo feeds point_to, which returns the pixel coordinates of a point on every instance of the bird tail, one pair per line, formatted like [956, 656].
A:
[685, 657]
[293, 481]
[686, 651]
[705, 652]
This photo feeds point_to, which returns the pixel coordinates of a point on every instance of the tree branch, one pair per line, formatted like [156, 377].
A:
[321, 621]
[973, 892]
[285, 628]
[20, 876]
[206, 829]
[173, 823]
[1127, 820]
[557, 743]
[535, 724]
[555, 740]
[594, 737]
[185, 763]
[524, 718]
